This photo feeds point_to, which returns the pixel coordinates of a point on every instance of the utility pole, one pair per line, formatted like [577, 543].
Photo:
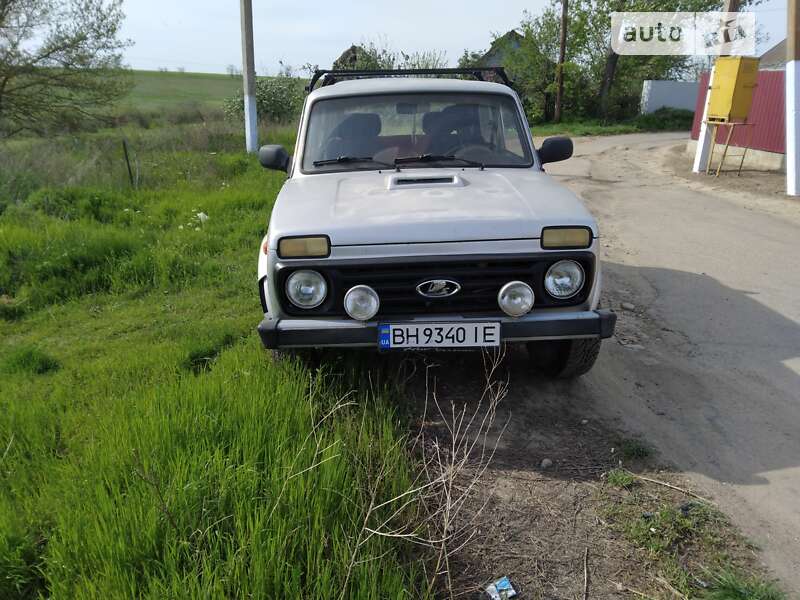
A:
[562, 53]
[704, 141]
[793, 99]
[249, 77]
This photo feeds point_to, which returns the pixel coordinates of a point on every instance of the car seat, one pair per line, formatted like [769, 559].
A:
[356, 135]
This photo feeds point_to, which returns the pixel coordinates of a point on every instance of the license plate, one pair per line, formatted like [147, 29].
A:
[439, 335]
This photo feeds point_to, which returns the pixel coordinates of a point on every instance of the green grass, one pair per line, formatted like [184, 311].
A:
[156, 89]
[633, 449]
[688, 543]
[149, 447]
[729, 585]
[30, 360]
[663, 119]
[620, 478]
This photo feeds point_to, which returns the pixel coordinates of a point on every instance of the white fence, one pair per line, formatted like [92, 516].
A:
[672, 94]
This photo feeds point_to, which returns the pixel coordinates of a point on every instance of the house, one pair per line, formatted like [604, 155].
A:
[500, 48]
[774, 59]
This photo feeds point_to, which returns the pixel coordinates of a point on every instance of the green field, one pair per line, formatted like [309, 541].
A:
[149, 446]
[155, 89]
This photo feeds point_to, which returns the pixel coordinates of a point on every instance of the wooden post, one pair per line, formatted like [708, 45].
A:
[704, 141]
[562, 53]
[128, 161]
[249, 76]
[793, 99]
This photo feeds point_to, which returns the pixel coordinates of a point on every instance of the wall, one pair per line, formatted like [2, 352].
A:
[673, 94]
[767, 114]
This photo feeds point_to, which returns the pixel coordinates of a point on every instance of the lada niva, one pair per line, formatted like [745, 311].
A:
[417, 214]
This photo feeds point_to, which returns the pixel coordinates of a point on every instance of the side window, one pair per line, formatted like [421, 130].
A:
[491, 130]
[512, 132]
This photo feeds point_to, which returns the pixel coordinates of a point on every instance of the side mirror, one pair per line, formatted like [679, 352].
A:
[274, 157]
[555, 149]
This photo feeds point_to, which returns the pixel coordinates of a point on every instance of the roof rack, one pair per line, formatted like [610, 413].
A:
[329, 77]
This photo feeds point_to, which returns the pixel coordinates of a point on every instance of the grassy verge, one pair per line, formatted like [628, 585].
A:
[661, 120]
[148, 445]
[690, 549]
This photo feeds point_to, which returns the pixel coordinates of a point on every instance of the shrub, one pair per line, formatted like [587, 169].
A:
[666, 119]
[278, 100]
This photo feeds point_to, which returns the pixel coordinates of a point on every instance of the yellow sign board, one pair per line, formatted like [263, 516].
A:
[731, 91]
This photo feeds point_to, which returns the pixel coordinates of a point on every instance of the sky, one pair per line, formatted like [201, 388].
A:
[204, 35]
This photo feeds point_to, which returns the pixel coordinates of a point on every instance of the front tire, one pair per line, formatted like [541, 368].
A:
[564, 359]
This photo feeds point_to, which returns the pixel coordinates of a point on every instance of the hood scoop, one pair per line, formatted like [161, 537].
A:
[424, 181]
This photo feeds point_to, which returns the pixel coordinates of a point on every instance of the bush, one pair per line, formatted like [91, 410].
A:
[666, 119]
[278, 100]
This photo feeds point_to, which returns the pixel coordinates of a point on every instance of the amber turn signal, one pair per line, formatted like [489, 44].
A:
[566, 238]
[304, 247]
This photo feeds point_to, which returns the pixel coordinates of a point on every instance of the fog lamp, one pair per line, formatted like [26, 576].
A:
[516, 299]
[361, 303]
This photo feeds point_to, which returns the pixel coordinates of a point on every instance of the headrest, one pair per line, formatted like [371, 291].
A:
[359, 125]
[431, 122]
[461, 115]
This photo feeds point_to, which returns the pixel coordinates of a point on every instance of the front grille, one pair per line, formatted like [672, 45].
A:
[480, 281]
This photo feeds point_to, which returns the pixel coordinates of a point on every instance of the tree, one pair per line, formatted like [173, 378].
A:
[380, 56]
[278, 100]
[60, 63]
[597, 81]
[532, 63]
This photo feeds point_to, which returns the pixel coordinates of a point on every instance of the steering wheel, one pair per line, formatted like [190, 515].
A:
[460, 151]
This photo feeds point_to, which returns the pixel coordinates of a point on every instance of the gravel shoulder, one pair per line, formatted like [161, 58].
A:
[707, 366]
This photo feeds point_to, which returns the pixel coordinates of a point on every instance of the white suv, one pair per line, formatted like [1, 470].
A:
[416, 214]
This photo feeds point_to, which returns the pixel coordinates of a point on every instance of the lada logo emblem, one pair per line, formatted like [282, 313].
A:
[438, 288]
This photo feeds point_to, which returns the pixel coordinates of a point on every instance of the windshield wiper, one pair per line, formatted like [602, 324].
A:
[351, 159]
[423, 158]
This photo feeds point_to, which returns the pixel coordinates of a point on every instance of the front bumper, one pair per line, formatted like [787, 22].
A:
[543, 325]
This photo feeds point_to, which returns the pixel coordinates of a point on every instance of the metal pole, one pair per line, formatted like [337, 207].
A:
[793, 100]
[249, 76]
[705, 139]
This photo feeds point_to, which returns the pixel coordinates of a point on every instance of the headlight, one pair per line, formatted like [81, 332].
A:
[564, 279]
[516, 298]
[362, 303]
[318, 246]
[566, 238]
[306, 289]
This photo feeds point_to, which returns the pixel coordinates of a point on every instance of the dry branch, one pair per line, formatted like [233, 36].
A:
[672, 487]
[450, 470]
[586, 574]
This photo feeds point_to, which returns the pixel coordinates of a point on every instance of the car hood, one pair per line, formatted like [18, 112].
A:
[424, 205]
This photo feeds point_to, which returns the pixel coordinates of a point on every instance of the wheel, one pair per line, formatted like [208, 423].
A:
[564, 359]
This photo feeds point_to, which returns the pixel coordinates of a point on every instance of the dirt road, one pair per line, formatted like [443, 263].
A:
[707, 364]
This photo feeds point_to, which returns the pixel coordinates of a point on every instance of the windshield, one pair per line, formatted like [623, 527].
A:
[423, 130]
